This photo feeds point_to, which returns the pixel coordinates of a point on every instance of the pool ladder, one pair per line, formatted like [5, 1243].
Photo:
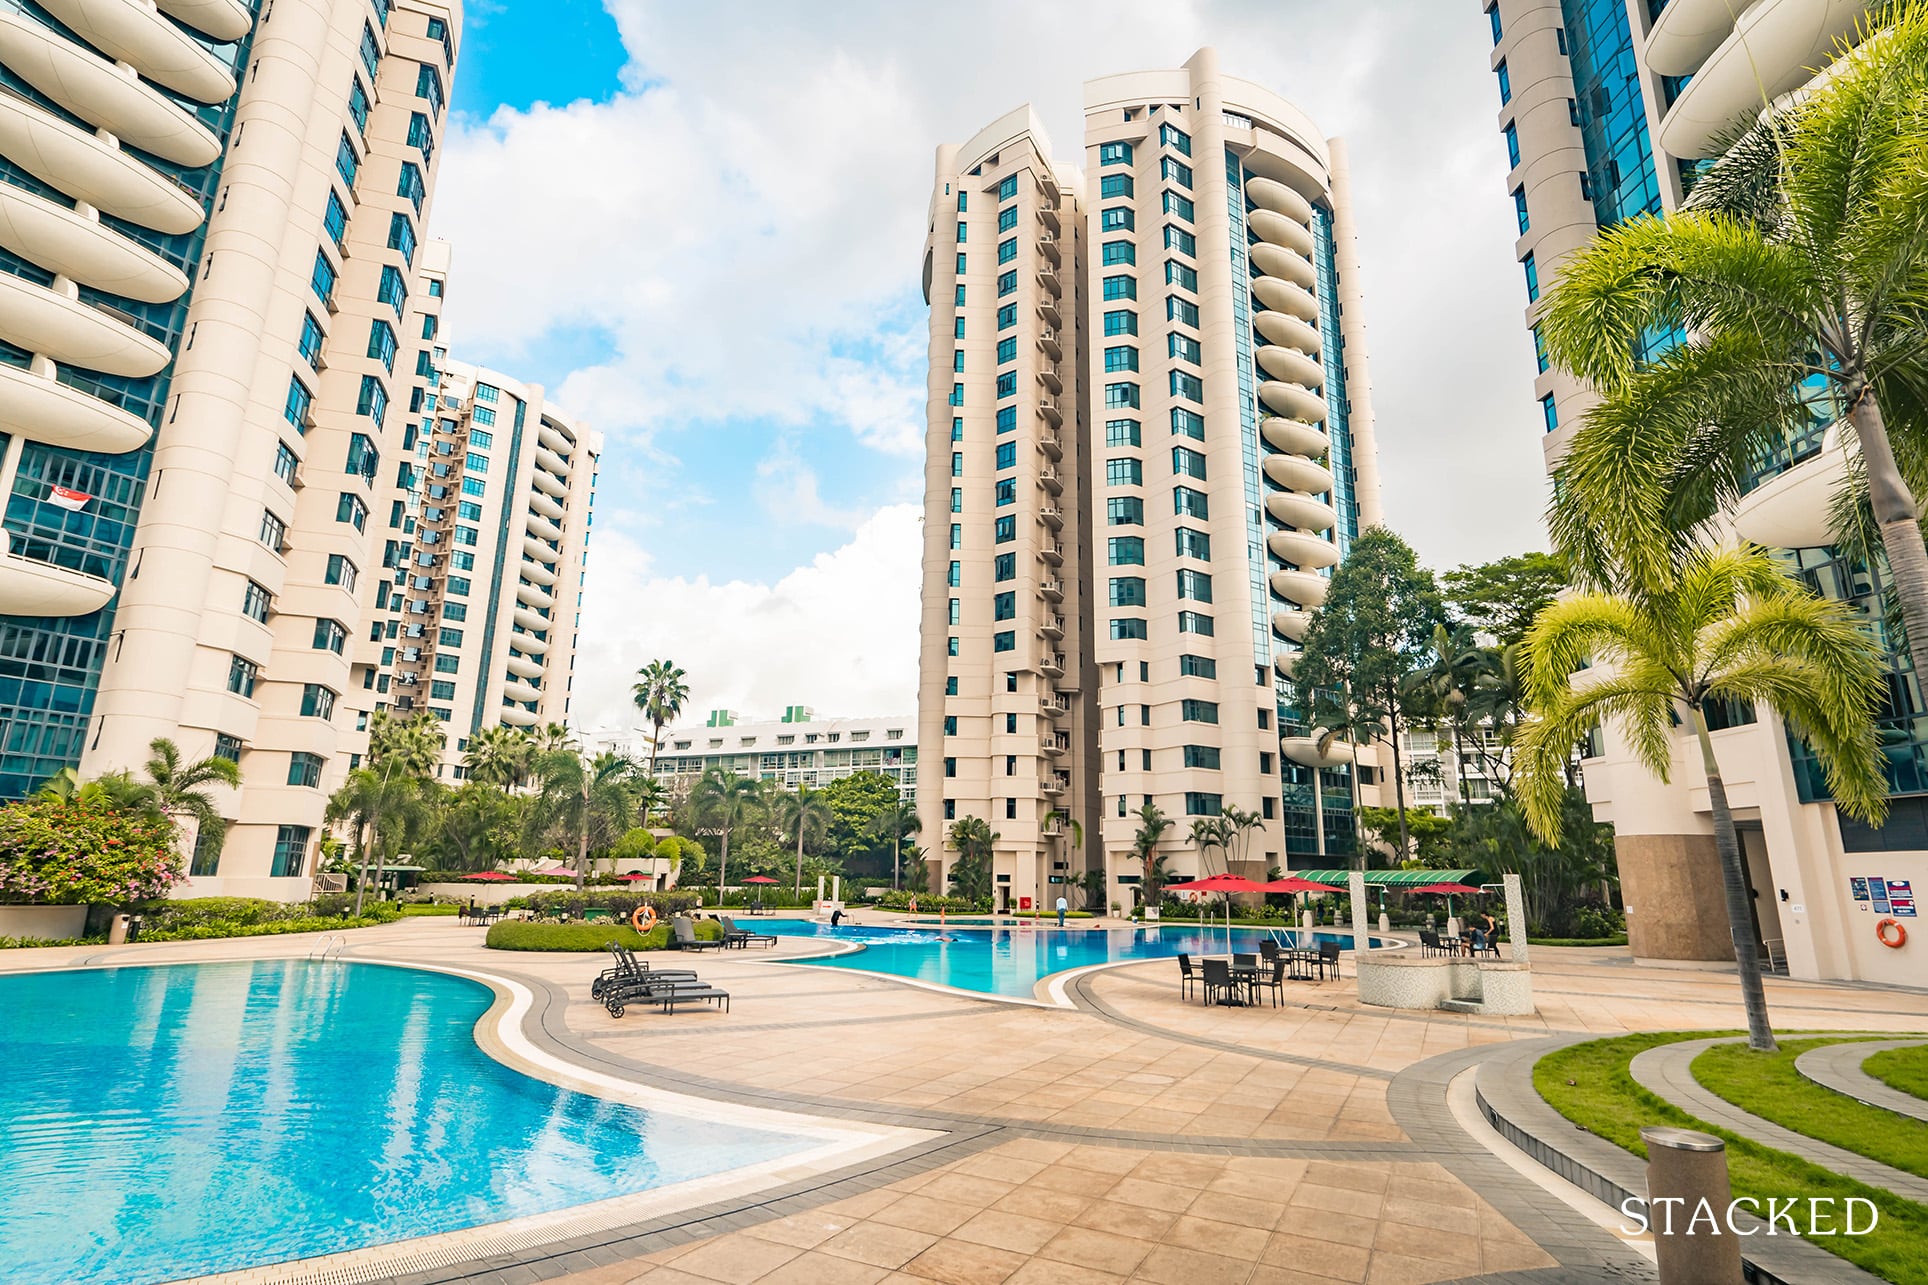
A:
[328, 947]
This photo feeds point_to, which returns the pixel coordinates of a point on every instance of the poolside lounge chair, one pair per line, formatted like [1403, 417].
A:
[683, 936]
[734, 936]
[655, 990]
[682, 995]
[628, 968]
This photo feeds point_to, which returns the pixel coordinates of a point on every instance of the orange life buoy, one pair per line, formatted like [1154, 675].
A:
[1900, 934]
[643, 918]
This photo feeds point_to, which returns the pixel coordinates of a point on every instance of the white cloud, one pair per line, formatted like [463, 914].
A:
[743, 223]
[838, 634]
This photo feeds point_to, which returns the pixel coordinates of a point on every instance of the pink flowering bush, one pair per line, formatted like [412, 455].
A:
[78, 853]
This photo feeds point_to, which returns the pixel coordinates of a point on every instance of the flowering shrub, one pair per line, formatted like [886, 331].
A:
[54, 852]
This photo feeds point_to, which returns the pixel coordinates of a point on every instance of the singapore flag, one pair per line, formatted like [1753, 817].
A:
[70, 500]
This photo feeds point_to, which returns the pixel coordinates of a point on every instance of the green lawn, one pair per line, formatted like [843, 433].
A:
[1903, 1069]
[1604, 1100]
[1770, 1087]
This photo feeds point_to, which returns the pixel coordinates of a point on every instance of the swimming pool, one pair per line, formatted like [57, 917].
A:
[1010, 961]
[173, 1121]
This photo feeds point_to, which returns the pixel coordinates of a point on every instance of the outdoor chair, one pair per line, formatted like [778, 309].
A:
[1429, 943]
[734, 936]
[1218, 981]
[1490, 945]
[683, 936]
[1245, 961]
[1268, 950]
[1328, 958]
[1273, 981]
[1185, 977]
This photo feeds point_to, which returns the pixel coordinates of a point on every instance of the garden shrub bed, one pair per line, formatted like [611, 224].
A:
[516, 934]
[1603, 1099]
[620, 904]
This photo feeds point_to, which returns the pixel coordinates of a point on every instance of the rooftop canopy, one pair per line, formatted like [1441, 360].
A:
[1390, 878]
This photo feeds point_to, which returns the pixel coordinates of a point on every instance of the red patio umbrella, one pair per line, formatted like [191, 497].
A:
[490, 876]
[759, 879]
[1449, 891]
[557, 871]
[636, 876]
[1292, 883]
[1220, 883]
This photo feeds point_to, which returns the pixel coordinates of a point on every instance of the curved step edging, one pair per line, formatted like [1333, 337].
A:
[1504, 1092]
[1838, 1067]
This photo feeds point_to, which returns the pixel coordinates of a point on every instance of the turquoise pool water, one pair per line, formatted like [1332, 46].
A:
[165, 1122]
[1009, 961]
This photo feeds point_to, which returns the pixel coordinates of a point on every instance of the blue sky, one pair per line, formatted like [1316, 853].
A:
[699, 226]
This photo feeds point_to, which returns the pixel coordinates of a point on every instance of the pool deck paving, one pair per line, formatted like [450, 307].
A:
[1134, 1136]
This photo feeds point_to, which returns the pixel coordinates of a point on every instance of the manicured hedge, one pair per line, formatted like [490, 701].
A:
[515, 934]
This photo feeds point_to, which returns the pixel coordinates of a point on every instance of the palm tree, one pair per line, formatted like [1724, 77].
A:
[974, 841]
[896, 822]
[116, 791]
[659, 692]
[372, 803]
[409, 747]
[1495, 706]
[550, 737]
[180, 789]
[652, 797]
[1729, 626]
[499, 755]
[1444, 687]
[1152, 825]
[804, 814]
[1209, 833]
[590, 802]
[722, 801]
[1239, 826]
[1797, 274]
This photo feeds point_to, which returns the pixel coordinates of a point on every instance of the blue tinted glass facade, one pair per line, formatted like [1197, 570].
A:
[1248, 414]
[1613, 116]
[50, 667]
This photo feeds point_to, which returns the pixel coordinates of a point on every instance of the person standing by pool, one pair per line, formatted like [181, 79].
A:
[836, 916]
[1062, 907]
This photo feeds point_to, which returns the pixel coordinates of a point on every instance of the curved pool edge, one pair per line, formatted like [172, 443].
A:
[498, 1032]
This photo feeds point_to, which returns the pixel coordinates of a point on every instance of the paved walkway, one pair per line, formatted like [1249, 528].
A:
[1838, 1067]
[1134, 1137]
[1667, 1071]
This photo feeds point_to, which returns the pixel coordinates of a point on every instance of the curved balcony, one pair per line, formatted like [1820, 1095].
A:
[517, 691]
[550, 485]
[84, 249]
[1769, 53]
[540, 526]
[95, 90]
[1280, 230]
[550, 437]
[1294, 437]
[546, 506]
[524, 667]
[552, 461]
[1307, 588]
[530, 618]
[222, 19]
[1304, 750]
[1286, 662]
[1289, 363]
[525, 641]
[1790, 510]
[1298, 473]
[533, 595]
[1276, 261]
[1685, 32]
[1291, 624]
[536, 571]
[44, 410]
[91, 169]
[1301, 511]
[1289, 331]
[1290, 399]
[516, 716]
[540, 551]
[74, 334]
[1283, 296]
[29, 588]
[1303, 549]
[1272, 195]
[153, 46]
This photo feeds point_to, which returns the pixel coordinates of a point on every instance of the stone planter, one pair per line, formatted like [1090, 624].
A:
[47, 923]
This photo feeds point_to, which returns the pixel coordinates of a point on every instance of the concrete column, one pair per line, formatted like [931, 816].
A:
[1688, 1170]
[1515, 919]
[1356, 886]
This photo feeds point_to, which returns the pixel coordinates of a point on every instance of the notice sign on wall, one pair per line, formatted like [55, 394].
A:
[1884, 896]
